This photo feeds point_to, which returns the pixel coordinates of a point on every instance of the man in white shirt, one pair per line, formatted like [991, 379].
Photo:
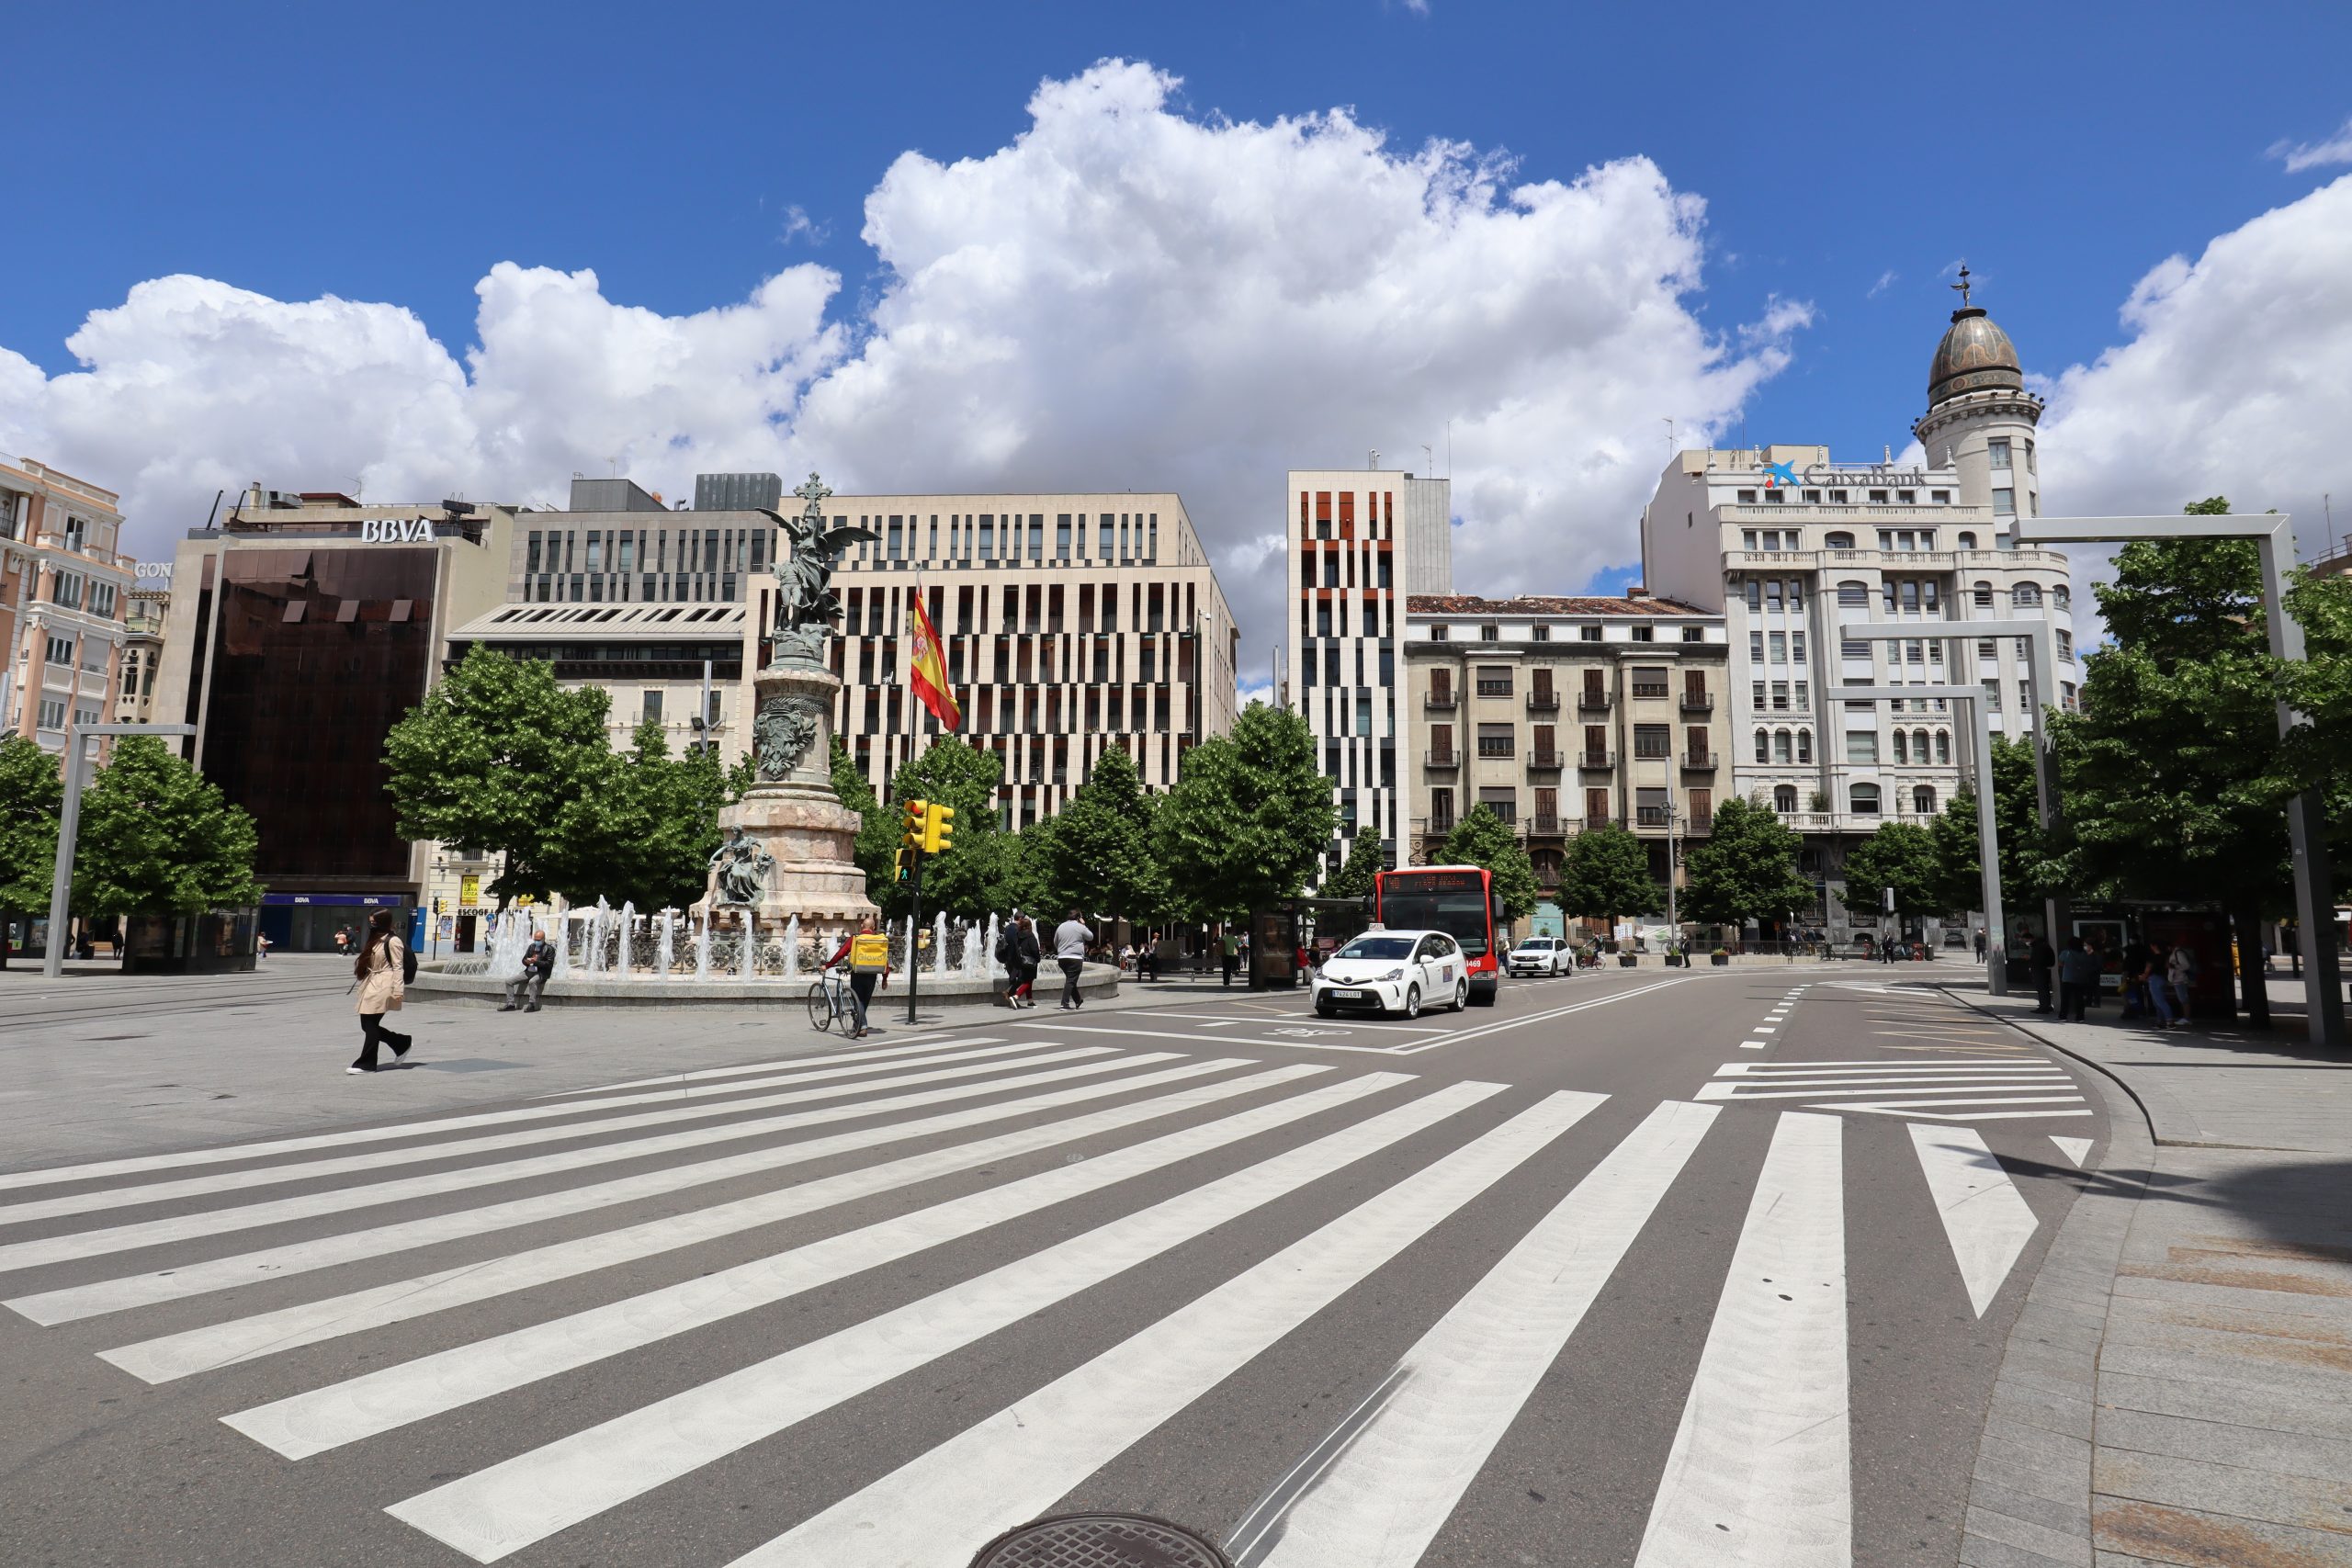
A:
[1071, 939]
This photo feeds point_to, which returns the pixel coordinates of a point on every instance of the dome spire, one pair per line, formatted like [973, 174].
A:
[1962, 285]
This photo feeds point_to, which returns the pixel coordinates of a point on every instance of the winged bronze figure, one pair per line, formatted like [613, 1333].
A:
[806, 604]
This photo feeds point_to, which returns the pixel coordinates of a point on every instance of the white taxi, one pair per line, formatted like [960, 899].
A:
[1399, 972]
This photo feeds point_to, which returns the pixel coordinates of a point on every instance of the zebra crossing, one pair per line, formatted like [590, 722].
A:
[1160, 1152]
[1918, 1089]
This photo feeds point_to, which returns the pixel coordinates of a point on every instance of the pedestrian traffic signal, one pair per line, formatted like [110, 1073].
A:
[939, 829]
[918, 813]
[906, 865]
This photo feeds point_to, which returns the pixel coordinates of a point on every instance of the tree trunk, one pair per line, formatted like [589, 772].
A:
[2252, 989]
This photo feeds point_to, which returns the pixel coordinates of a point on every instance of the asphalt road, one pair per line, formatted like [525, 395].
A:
[1637, 1267]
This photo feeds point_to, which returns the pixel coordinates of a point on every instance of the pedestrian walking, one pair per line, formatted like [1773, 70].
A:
[1980, 945]
[1230, 947]
[378, 976]
[2079, 970]
[1016, 949]
[261, 947]
[2158, 990]
[1071, 939]
[868, 955]
[2131, 967]
[539, 963]
[2180, 974]
[2041, 958]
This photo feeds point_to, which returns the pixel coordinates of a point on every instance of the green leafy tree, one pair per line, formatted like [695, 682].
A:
[2176, 783]
[494, 756]
[1248, 819]
[1100, 856]
[2027, 873]
[1959, 854]
[877, 832]
[31, 795]
[1901, 855]
[644, 829]
[1745, 869]
[1485, 839]
[1607, 874]
[158, 837]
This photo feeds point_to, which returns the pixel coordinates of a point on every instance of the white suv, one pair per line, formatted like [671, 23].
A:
[1542, 955]
[1399, 972]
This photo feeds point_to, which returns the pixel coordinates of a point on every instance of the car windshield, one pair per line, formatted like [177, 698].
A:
[1378, 947]
[1536, 944]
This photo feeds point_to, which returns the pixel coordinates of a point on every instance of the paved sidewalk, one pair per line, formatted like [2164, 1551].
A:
[2179, 1389]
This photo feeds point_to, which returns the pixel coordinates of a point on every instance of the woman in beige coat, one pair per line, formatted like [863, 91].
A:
[379, 967]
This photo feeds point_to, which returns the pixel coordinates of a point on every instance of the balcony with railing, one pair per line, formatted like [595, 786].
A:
[1545, 762]
[1698, 702]
[1445, 699]
[1595, 820]
[1542, 702]
[1650, 816]
[1447, 760]
[1590, 701]
[1596, 759]
[1550, 827]
[1700, 762]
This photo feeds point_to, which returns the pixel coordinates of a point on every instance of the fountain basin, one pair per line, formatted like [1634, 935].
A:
[465, 980]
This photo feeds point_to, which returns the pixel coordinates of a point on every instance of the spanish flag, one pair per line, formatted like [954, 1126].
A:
[927, 670]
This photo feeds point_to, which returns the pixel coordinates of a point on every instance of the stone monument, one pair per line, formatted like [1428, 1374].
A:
[791, 845]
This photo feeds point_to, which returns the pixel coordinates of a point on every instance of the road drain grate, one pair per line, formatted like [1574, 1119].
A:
[1100, 1540]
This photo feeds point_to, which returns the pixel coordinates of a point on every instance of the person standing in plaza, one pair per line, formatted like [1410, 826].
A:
[1230, 946]
[539, 963]
[2042, 957]
[2180, 974]
[2159, 990]
[2077, 978]
[381, 985]
[1071, 939]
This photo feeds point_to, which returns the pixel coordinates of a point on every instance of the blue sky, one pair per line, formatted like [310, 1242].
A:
[1846, 155]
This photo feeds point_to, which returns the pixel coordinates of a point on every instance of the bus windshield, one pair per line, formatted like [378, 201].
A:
[1455, 905]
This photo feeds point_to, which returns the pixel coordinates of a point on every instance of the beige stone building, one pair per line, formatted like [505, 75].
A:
[63, 585]
[1071, 623]
[145, 611]
[1562, 714]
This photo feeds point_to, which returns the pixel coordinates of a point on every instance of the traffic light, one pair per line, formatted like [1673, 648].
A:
[906, 865]
[917, 812]
[939, 829]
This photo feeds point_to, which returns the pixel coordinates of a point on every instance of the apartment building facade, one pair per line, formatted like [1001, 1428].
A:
[1362, 544]
[1560, 715]
[64, 584]
[1791, 545]
[1071, 623]
[145, 610]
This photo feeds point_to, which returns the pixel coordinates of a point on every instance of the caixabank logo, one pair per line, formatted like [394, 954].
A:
[1779, 474]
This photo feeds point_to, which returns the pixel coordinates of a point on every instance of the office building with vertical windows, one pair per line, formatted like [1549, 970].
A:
[1071, 623]
[1561, 714]
[1361, 543]
[1789, 544]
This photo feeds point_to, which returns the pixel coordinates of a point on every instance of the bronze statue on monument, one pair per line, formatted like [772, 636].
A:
[791, 819]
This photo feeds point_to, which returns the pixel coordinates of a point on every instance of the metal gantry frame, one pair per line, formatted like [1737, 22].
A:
[2273, 534]
[2041, 666]
[1996, 971]
[69, 826]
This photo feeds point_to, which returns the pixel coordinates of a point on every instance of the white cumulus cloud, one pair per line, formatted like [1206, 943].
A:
[1125, 296]
[2235, 380]
[2301, 155]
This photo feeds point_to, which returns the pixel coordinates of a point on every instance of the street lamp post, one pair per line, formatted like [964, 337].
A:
[69, 825]
[2273, 534]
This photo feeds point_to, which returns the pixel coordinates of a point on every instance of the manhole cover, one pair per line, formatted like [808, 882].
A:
[1100, 1540]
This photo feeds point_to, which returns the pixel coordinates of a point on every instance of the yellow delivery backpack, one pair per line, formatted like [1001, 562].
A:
[869, 953]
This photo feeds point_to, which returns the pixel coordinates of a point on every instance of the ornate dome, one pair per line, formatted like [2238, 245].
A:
[1975, 354]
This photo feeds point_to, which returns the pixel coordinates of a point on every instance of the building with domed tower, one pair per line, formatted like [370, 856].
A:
[1790, 543]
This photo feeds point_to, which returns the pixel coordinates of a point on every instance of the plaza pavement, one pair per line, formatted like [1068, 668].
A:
[2178, 1387]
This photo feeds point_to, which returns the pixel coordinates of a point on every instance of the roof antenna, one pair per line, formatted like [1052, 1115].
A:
[1669, 432]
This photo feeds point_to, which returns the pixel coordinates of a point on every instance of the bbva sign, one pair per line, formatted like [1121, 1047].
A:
[396, 531]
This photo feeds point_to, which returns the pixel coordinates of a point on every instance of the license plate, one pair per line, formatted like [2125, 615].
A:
[1339, 995]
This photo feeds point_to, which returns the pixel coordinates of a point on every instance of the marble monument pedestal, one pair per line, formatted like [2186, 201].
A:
[793, 813]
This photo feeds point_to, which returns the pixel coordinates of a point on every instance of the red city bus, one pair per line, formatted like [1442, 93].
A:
[1459, 900]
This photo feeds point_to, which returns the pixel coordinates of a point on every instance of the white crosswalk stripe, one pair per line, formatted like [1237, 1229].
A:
[1171, 1149]
[1927, 1089]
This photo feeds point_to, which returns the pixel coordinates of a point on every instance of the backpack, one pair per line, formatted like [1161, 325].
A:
[1004, 945]
[408, 964]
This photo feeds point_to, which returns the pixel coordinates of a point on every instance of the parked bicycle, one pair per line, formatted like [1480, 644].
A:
[829, 1002]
